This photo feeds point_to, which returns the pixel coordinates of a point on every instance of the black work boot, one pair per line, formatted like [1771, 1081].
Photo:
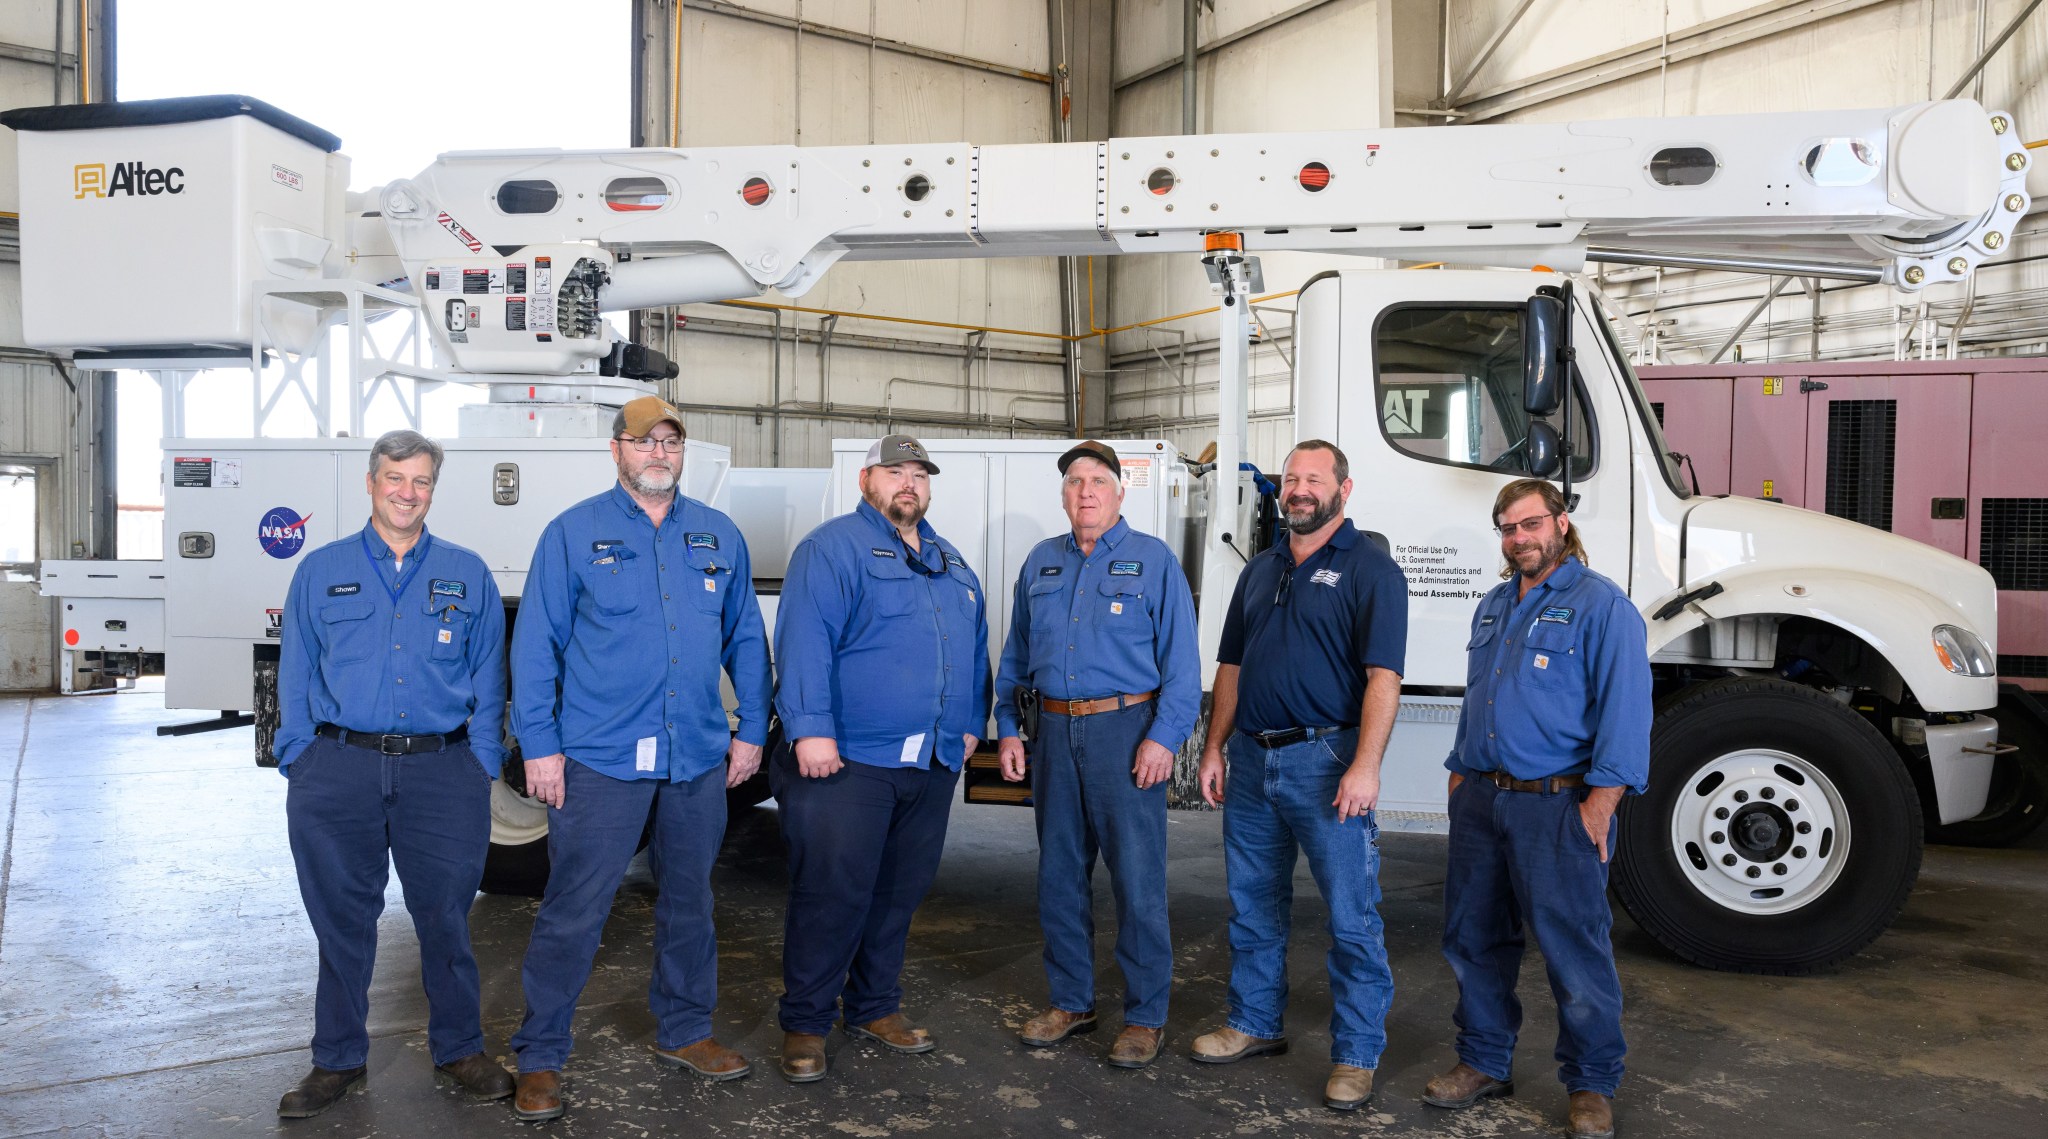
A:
[321, 1089]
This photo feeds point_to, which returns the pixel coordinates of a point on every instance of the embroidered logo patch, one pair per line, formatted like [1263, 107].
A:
[955, 560]
[442, 587]
[880, 552]
[711, 585]
[702, 541]
[1542, 661]
[446, 636]
[1325, 577]
[1557, 613]
[1126, 569]
[1116, 607]
[345, 590]
[1049, 571]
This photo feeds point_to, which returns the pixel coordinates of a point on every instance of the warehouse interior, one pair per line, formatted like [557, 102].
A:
[156, 967]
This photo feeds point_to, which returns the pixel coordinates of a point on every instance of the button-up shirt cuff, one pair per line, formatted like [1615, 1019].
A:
[1006, 725]
[1166, 740]
[753, 733]
[1604, 777]
[805, 727]
[542, 742]
[1454, 765]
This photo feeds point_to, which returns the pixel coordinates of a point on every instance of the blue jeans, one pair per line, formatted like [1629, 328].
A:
[352, 813]
[1278, 802]
[592, 838]
[863, 846]
[1086, 800]
[1518, 861]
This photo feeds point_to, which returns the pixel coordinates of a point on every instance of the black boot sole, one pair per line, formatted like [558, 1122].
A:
[362, 1080]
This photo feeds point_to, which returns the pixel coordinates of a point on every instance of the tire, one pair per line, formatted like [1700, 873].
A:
[2019, 783]
[1774, 756]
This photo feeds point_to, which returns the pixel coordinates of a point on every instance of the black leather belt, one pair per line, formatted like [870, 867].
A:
[393, 745]
[1547, 785]
[1288, 737]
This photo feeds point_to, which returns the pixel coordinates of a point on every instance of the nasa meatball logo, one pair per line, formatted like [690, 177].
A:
[282, 531]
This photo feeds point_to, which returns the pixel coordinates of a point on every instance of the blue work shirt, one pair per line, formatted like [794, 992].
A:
[1119, 621]
[1557, 683]
[890, 662]
[372, 646]
[1304, 635]
[622, 631]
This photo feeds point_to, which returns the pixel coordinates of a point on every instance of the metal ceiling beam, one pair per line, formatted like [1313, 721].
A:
[843, 35]
[1776, 288]
[2003, 36]
[1485, 53]
[1220, 42]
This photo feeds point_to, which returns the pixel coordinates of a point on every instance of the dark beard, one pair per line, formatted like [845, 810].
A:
[1553, 556]
[1316, 519]
[899, 514]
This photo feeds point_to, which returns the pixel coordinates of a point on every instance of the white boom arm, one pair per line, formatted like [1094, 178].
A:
[1909, 196]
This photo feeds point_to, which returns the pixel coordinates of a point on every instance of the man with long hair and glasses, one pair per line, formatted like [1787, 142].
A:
[638, 598]
[1556, 728]
[1308, 679]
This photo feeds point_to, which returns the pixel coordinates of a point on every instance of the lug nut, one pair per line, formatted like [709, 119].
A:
[1999, 124]
[1717, 838]
[1769, 792]
[1791, 804]
[1805, 828]
[1742, 796]
[1915, 274]
[1799, 852]
[2014, 203]
[1727, 860]
[1720, 812]
[1778, 869]
[2016, 161]
[1994, 239]
[1753, 872]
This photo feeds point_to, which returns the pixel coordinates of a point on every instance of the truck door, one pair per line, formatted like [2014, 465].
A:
[1428, 404]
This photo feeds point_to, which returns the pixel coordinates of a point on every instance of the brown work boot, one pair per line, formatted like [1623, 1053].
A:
[1464, 1086]
[1592, 1116]
[1136, 1046]
[321, 1089]
[1349, 1088]
[477, 1074]
[1227, 1045]
[896, 1033]
[539, 1095]
[803, 1057]
[708, 1058]
[1054, 1025]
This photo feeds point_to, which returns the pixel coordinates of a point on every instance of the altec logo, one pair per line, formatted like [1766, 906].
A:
[129, 179]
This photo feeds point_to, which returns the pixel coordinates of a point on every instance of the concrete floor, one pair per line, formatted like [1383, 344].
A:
[156, 978]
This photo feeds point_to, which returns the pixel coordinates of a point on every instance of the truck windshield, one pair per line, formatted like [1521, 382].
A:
[1653, 428]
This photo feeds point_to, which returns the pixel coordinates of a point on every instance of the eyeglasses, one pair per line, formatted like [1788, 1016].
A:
[673, 444]
[1526, 525]
[916, 563]
[1285, 589]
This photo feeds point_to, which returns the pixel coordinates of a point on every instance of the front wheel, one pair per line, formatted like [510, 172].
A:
[1780, 832]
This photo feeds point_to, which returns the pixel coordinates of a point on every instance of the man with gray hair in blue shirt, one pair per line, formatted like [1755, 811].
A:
[391, 706]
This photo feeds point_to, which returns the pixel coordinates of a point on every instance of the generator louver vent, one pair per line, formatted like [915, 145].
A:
[2011, 666]
[1657, 409]
[2014, 542]
[1861, 435]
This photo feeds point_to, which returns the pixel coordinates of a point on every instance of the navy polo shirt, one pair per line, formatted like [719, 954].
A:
[1557, 683]
[1305, 634]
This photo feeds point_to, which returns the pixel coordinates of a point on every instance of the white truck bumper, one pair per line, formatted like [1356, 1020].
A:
[1961, 756]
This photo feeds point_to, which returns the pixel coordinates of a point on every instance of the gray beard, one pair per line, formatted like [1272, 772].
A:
[1315, 519]
[650, 483]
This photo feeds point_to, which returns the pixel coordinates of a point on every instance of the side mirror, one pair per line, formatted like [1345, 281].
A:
[1543, 450]
[1542, 372]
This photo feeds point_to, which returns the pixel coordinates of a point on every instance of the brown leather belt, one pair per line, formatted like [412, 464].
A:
[1090, 707]
[1544, 786]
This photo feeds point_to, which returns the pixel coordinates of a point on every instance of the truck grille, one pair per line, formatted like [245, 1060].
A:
[2014, 542]
[1861, 436]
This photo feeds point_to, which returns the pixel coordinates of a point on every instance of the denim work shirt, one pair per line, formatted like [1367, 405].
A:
[889, 661]
[1557, 683]
[370, 645]
[1119, 621]
[622, 632]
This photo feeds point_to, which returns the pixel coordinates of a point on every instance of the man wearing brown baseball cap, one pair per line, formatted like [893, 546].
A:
[882, 639]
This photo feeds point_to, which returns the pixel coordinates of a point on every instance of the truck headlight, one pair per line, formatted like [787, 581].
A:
[1963, 652]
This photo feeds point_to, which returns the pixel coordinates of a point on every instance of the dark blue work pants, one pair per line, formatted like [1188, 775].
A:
[592, 838]
[1523, 861]
[863, 845]
[1086, 800]
[352, 814]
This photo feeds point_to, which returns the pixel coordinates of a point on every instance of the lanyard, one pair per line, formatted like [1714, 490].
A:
[402, 577]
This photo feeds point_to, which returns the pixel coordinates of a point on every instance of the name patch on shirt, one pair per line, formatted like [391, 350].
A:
[603, 544]
[442, 587]
[1557, 613]
[1326, 577]
[1126, 569]
[880, 552]
[345, 590]
[955, 560]
[1487, 620]
[702, 541]
[1049, 571]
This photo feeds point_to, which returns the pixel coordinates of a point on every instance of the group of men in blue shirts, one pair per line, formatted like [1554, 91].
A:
[881, 648]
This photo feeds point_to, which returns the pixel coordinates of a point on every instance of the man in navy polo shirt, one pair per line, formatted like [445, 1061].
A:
[636, 599]
[1556, 728]
[881, 642]
[1103, 633]
[391, 712]
[1308, 679]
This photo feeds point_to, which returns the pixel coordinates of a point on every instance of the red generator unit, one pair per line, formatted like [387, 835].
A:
[1946, 452]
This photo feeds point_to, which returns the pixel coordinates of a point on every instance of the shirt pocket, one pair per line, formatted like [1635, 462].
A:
[1046, 602]
[1479, 653]
[448, 628]
[347, 635]
[1120, 608]
[1551, 659]
[711, 576]
[611, 589]
[889, 588]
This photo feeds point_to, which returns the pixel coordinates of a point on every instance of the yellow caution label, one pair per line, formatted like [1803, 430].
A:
[1769, 492]
[1774, 385]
